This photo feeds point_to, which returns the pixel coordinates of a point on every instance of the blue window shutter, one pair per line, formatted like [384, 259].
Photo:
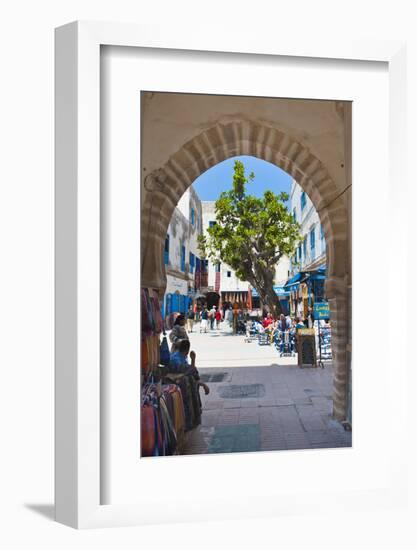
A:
[313, 243]
[166, 250]
[183, 258]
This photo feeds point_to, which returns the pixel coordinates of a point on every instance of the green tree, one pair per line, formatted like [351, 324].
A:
[251, 235]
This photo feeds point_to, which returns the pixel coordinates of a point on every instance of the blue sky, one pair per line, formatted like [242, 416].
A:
[219, 178]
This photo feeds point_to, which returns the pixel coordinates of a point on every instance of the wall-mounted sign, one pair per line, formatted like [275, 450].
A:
[321, 310]
[174, 284]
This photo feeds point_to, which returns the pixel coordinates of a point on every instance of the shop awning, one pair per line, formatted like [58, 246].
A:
[318, 274]
[316, 277]
[293, 283]
[280, 291]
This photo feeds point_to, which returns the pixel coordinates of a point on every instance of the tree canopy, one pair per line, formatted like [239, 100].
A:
[251, 235]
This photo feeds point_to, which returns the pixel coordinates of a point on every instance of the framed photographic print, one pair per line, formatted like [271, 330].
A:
[216, 289]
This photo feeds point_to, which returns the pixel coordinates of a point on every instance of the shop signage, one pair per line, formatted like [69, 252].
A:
[306, 347]
[174, 284]
[321, 310]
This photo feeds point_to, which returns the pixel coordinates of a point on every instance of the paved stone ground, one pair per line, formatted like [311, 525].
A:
[264, 402]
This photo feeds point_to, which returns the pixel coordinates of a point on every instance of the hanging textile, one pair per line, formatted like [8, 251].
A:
[162, 420]
[191, 399]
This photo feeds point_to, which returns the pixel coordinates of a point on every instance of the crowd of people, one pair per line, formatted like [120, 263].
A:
[283, 330]
[240, 321]
[209, 319]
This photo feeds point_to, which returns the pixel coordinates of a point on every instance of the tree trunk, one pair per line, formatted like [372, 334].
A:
[272, 301]
[265, 289]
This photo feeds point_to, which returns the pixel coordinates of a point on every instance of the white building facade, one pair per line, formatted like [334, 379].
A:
[311, 252]
[223, 286]
[181, 256]
[308, 265]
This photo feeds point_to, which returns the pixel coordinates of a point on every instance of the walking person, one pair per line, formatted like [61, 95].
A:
[212, 317]
[218, 317]
[197, 317]
[228, 316]
[235, 314]
[204, 320]
[190, 318]
[283, 328]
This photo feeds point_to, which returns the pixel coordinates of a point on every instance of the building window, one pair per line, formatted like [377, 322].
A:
[313, 243]
[299, 253]
[294, 214]
[183, 258]
[217, 267]
[192, 262]
[305, 248]
[321, 232]
[229, 273]
[294, 265]
[192, 217]
[166, 250]
[211, 223]
[303, 200]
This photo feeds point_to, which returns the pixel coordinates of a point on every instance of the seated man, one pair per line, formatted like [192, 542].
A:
[179, 363]
[186, 376]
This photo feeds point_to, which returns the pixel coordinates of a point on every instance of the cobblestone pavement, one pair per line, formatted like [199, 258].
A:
[267, 404]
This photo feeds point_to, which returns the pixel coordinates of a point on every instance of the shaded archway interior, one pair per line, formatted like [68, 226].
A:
[163, 187]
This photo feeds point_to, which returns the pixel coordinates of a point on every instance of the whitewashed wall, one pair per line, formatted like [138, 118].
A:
[308, 219]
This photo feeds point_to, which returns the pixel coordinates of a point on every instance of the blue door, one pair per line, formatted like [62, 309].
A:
[175, 303]
[168, 304]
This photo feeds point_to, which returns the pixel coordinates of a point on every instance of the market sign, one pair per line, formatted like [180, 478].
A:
[321, 310]
[306, 347]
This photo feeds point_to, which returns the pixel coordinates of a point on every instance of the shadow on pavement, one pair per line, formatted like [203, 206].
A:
[45, 510]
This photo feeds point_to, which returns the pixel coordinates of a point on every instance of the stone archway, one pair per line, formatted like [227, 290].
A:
[233, 136]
